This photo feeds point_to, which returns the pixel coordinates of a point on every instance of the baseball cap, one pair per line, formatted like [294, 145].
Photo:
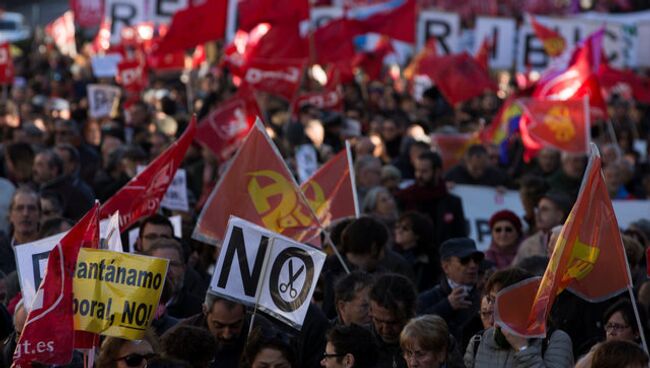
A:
[458, 247]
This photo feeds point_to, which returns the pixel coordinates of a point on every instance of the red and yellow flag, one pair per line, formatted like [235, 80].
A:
[588, 259]
[330, 191]
[553, 42]
[259, 188]
[452, 147]
[560, 124]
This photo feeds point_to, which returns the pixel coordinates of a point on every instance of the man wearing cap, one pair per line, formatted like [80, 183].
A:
[456, 298]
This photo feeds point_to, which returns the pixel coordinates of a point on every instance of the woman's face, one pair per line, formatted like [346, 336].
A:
[617, 329]
[487, 312]
[134, 354]
[270, 358]
[416, 357]
[385, 204]
[504, 234]
[405, 238]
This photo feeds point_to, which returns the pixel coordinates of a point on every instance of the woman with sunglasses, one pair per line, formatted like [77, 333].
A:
[505, 227]
[120, 353]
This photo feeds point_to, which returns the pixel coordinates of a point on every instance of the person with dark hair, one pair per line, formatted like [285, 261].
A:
[568, 178]
[619, 354]
[69, 131]
[475, 169]
[51, 206]
[414, 241]
[350, 346]
[19, 161]
[24, 220]
[392, 303]
[272, 351]
[153, 227]
[55, 225]
[456, 297]
[496, 347]
[506, 230]
[429, 195]
[116, 352]
[351, 298]
[531, 189]
[190, 344]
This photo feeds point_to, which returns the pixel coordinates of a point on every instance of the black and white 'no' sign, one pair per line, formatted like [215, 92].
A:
[282, 273]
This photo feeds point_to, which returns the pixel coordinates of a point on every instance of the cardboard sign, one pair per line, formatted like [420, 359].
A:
[105, 66]
[116, 294]
[102, 99]
[258, 266]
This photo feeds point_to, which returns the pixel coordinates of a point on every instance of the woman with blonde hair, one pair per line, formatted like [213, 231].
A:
[426, 343]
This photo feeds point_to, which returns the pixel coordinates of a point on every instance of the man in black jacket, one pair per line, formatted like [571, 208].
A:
[456, 298]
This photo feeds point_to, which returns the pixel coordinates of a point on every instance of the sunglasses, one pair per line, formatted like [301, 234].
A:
[477, 258]
[506, 229]
[135, 360]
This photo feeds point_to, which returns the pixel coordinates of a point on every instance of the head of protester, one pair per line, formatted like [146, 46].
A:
[414, 241]
[351, 294]
[506, 231]
[116, 352]
[151, 228]
[350, 346]
[620, 322]
[193, 345]
[24, 215]
[619, 353]
[497, 344]
[364, 243]
[380, 204]
[425, 341]
[274, 351]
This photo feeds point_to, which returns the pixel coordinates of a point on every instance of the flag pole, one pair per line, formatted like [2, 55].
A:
[328, 239]
[636, 312]
[260, 282]
[353, 178]
[612, 137]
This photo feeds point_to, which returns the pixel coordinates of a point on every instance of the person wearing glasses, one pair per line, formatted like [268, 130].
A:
[116, 352]
[505, 227]
[349, 346]
[456, 298]
[426, 343]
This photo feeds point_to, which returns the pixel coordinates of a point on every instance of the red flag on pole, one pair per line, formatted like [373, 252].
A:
[87, 13]
[6, 64]
[554, 43]
[452, 147]
[483, 54]
[62, 32]
[48, 334]
[395, 19]
[330, 191]
[142, 195]
[132, 75]
[259, 188]
[223, 130]
[278, 77]
[588, 258]
[254, 12]
[328, 99]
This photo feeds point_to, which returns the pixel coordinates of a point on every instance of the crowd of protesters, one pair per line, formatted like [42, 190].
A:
[420, 293]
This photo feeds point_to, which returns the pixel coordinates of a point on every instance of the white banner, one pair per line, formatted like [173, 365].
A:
[444, 27]
[502, 33]
[124, 13]
[102, 99]
[256, 264]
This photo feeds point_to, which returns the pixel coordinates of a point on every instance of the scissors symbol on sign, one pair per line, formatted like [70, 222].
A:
[288, 286]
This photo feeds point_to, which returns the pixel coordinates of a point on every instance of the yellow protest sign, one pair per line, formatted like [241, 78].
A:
[116, 294]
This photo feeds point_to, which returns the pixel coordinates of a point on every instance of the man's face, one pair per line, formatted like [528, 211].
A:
[365, 262]
[476, 165]
[68, 165]
[42, 170]
[24, 214]
[64, 133]
[574, 165]
[330, 360]
[547, 160]
[424, 172]
[356, 310]
[151, 232]
[225, 324]
[547, 215]
[387, 325]
[176, 271]
[370, 176]
[462, 271]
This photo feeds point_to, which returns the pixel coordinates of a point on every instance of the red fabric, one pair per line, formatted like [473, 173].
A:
[63, 33]
[452, 147]
[483, 54]
[329, 190]
[398, 23]
[429, 51]
[259, 188]
[102, 40]
[334, 41]
[278, 77]
[459, 77]
[589, 258]
[87, 13]
[167, 62]
[553, 42]
[224, 129]
[195, 25]
[328, 99]
[6, 64]
[48, 335]
[132, 75]
[141, 196]
[611, 78]
[254, 12]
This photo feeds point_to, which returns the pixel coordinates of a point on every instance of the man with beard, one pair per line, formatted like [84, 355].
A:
[429, 195]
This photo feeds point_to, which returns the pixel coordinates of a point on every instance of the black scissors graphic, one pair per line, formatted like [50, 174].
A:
[288, 286]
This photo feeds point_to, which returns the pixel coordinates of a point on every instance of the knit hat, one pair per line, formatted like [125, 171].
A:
[506, 215]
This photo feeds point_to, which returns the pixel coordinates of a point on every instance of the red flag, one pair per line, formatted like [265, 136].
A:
[579, 78]
[429, 51]
[132, 75]
[395, 19]
[328, 99]
[560, 124]
[259, 188]
[198, 57]
[48, 335]
[225, 128]
[102, 41]
[330, 190]
[623, 82]
[483, 54]
[195, 25]
[459, 77]
[254, 12]
[174, 61]
[452, 147]
[87, 13]
[335, 41]
[62, 32]
[554, 43]
[278, 77]
[142, 195]
[372, 62]
[6, 64]
[588, 258]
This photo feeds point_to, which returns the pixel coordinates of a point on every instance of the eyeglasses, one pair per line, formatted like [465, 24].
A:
[506, 229]
[135, 360]
[486, 314]
[476, 257]
[333, 355]
[615, 327]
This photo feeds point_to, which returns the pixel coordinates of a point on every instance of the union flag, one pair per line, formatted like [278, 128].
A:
[560, 124]
[588, 259]
[553, 42]
[330, 191]
[258, 187]
[452, 147]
